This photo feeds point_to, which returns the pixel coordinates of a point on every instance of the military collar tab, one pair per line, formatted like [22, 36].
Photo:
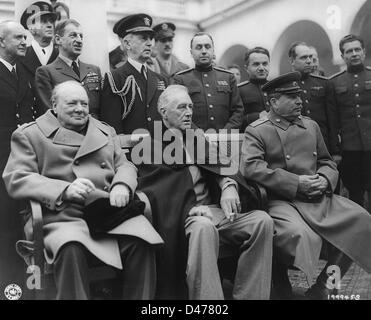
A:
[204, 69]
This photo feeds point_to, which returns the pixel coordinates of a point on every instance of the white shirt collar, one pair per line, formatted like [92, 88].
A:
[137, 65]
[43, 57]
[7, 64]
[68, 61]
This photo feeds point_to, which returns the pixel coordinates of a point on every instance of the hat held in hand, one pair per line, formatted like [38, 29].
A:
[103, 219]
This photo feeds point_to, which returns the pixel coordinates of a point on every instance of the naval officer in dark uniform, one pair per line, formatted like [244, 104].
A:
[130, 93]
[353, 100]
[255, 101]
[317, 96]
[214, 92]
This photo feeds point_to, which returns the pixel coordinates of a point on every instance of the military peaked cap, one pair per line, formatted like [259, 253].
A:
[285, 84]
[35, 11]
[164, 30]
[132, 24]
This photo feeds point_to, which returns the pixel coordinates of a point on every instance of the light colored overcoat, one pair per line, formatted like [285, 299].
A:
[46, 157]
[274, 153]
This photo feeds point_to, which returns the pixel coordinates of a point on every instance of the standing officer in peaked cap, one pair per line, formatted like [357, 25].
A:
[39, 18]
[285, 152]
[130, 93]
[167, 64]
[214, 92]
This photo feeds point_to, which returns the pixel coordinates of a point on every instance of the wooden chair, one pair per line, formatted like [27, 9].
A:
[32, 251]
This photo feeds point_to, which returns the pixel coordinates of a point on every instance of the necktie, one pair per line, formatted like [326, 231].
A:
[143, 72]
[75, 68]
[14, 73]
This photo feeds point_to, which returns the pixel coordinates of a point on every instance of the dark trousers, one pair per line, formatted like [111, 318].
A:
[138, 276]
[12, 267]
[355, 172]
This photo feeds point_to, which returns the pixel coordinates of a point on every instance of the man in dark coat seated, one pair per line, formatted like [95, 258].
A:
[189, 218]
[286, 153]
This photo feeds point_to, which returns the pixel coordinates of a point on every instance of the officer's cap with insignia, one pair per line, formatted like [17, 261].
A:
[134, 23]
[35, 11]
[284, 84]
[164, 30]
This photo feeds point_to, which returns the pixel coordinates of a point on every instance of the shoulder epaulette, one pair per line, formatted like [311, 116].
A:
[184, 71]
[221, 69]
[337, 74]
[319, 76]
[27, 124]
[305, 117]
[259, 122]
[243, 83]
[368, 68]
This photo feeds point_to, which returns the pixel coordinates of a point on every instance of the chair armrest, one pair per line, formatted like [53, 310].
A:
[261, 193]
[38, 234]
[263, 196]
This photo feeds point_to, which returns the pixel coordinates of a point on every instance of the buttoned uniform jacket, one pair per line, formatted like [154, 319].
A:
[31, 62]
[175, 67]
[17, 106]
[216, 100]
[46, 158]
[353, 101]
[254, 101]
[274, 153]
[319, 105]
[144, 102]
[47, 77]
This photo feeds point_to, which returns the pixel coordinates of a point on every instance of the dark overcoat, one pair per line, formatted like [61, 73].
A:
[170, 190]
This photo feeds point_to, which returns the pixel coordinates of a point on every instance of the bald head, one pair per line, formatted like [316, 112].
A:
[71, 104]
[12, 41]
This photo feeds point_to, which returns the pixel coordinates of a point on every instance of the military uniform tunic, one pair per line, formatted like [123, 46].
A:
[214, 93]
[353, 101]
[254, 100]
[319, 105]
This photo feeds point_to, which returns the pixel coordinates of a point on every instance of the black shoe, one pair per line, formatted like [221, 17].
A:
[319, 292]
